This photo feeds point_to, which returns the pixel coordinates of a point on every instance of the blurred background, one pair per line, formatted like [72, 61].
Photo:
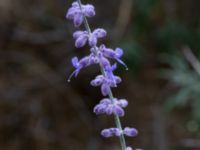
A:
[39, 110]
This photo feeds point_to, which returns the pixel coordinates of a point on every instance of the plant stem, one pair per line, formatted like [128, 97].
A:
[117, 119]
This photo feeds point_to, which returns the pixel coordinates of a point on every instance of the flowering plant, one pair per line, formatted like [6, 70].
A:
[100, 55]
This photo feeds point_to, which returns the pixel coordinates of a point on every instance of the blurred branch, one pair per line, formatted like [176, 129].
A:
[170, 7]
[159, 129]
[123, 19]
[191, 58]
[190, 143]
[39, 38]
[5, 8]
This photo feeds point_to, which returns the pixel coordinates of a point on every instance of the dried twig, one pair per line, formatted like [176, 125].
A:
[191, 58]
[124, 17]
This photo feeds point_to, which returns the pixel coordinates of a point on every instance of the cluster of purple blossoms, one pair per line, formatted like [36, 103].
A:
[132, 132]
[77, 15]
[106, 106]
[100, 55]
[81, 37]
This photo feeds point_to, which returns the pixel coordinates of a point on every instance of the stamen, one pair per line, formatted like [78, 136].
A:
[72, 74]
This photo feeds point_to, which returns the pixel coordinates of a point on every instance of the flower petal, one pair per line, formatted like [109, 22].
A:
[78, 19]
[81, 41]
[89, 10]
[106, 133]
[78, 34]
[122, 103]
[100, 33]
[105, 89]
[130, 132]
[75, 62]
[92, 40]
[118, 111]
[119, 52]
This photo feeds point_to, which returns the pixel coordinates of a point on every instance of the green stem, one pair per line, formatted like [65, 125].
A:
[117, 119]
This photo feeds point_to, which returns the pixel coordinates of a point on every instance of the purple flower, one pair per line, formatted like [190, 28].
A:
[105, 83]
[132, 132]
[107, 106]
[109, 74]
[109, 79]
[111, 132]
[97, 81]
[105, 88]
[77, 15]
[129, 148]
[81, 37]
[103, 61]
[97, 33]
[117, 132]
[82, 63]
[114, 54]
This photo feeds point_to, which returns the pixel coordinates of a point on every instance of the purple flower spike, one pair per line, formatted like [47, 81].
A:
[111, 132]
[75, 13]
[132, 132]
[100, 55]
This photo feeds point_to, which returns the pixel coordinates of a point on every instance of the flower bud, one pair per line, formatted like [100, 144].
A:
[99, 33]
[130, 132]
[81, 41]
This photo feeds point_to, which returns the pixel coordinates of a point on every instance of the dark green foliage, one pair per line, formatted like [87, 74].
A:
[187, 81]
[133, 55]
[165, 27]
